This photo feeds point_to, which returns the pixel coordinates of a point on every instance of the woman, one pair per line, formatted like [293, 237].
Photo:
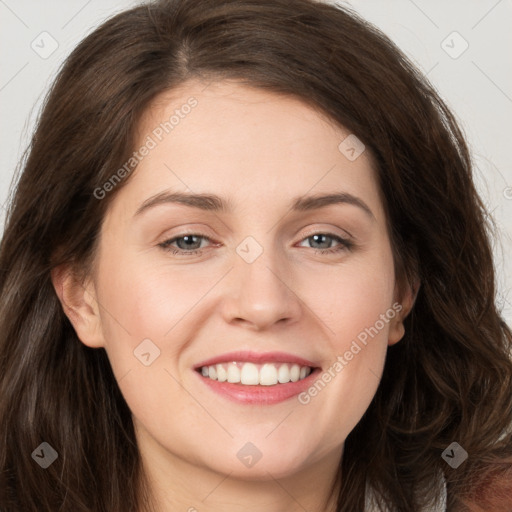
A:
[169, 344]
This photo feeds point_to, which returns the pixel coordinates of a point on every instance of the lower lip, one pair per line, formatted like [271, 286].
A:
[260, 395]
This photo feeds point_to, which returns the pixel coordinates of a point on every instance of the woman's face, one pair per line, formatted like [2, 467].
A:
[277, 275]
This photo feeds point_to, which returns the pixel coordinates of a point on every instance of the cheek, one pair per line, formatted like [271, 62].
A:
[148, 309]
[147, 299]
[352, 298]
[356, 305]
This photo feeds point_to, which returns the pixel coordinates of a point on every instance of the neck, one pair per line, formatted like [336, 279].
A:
[177, 484]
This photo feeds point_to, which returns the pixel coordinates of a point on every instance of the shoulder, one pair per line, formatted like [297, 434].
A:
[493, 492]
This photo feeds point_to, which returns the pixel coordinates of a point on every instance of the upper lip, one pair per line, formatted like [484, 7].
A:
[257, 358]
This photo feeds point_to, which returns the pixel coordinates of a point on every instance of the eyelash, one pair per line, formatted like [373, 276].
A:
[345, 244]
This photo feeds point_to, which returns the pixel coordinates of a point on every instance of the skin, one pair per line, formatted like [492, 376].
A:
[259, 150]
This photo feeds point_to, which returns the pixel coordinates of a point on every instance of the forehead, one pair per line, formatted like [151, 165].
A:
[252, 146]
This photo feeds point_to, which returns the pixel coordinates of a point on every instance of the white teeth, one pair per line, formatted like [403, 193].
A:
[295, 373]
[233, 373]
[222, 374]
[283, 375]
[250, 374]
[268, 375]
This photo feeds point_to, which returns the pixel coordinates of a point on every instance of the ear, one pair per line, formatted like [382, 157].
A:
[408, 298]
[78, 300]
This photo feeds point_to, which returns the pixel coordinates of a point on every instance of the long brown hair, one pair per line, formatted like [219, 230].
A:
[450, 377]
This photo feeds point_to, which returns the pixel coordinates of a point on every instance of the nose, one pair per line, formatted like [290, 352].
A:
[262, 293]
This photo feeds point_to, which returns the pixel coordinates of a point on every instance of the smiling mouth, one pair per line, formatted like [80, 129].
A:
[251, 374]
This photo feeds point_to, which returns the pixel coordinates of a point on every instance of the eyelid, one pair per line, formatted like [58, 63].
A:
[166, 242]
[328, 231]
[343, 241]
[187, 231]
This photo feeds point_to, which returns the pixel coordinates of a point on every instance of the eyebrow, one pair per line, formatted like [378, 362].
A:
[214, 203]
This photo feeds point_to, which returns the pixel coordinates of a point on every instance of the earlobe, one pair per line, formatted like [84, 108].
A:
[397, 328]
[396, 331]
[411, 293]
[79, 304]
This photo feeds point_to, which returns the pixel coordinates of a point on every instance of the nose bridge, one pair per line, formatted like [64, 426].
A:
[260, 266]
[262, 293]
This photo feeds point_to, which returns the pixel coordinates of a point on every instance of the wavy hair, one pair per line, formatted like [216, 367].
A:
[450, 377]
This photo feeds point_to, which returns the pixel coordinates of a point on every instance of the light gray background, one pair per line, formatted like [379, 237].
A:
[476, 83]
